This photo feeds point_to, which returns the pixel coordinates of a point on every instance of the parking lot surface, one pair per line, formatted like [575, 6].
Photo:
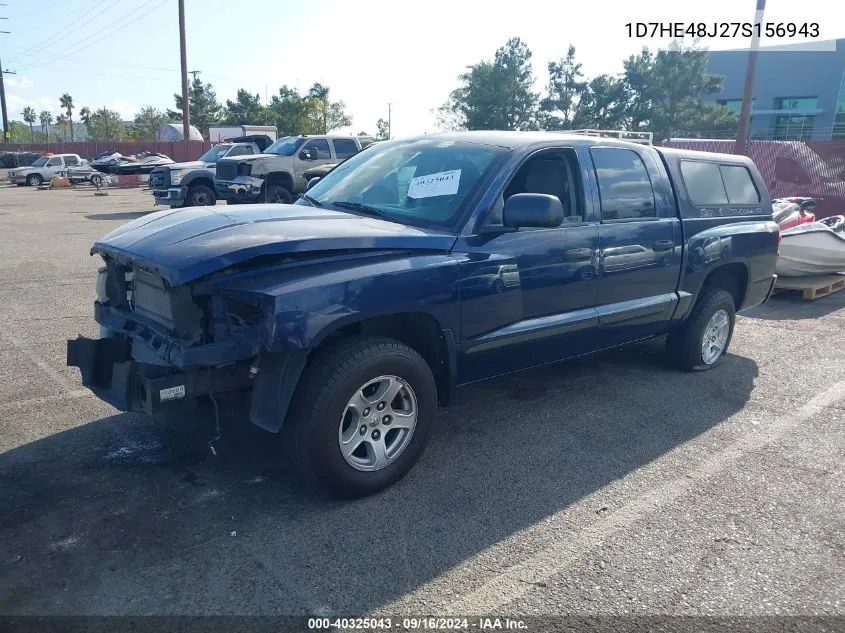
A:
[612, 485]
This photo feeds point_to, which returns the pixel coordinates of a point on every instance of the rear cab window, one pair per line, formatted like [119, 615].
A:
[718, 184]
[625, 188]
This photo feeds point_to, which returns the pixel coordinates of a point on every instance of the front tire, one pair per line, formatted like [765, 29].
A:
[276, 194]
[200, 196]
[34, 180]
[702, 341]
[362, 416]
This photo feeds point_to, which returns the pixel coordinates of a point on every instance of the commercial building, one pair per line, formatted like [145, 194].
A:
[798, 94]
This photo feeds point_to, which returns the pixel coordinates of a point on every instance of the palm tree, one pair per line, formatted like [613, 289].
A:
[67, 103]
[46, 119]
[85, 115]
[63, 124]
[29, 116]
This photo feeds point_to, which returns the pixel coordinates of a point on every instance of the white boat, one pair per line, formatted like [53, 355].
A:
[815, 248]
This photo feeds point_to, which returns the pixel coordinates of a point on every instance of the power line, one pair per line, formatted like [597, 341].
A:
[62, 33]
[75, 48]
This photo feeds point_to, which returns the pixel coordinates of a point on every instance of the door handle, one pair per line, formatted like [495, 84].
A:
[662, 245]
[578, 254]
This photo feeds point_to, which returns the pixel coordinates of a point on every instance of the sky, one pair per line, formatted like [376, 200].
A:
[124, 54]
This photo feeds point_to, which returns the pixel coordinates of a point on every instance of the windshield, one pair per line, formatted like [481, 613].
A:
[215, 154]
[285, 146]
[40, 162]
[421, 182]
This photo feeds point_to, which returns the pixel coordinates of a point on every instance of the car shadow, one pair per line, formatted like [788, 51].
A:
[132, 515]
[127, 215]
[791, 306]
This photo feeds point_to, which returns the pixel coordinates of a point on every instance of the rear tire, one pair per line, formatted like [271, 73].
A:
[324, 421]
[96, 180]
[200, 196]
[34, 180]
[701, 343]
[276, 194]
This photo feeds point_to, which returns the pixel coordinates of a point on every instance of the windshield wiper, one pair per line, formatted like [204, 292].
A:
[314, 202]
[363, 208]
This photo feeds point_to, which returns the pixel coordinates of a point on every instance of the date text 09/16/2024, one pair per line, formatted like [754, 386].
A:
[417, 624]
[807, 30]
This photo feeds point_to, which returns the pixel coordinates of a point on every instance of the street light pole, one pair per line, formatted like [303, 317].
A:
[748, 92]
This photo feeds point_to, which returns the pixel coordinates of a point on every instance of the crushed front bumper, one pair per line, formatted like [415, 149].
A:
[241, 189]
[109, 370]
[174, 196]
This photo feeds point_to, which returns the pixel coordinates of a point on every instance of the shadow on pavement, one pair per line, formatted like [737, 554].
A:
[127, 215]
[127, 515]
[790, 306]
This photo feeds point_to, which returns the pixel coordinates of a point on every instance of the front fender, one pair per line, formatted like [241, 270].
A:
[198, 174]
[307, 302]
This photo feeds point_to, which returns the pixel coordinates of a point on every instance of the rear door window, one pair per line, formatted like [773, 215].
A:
[344, 147]
[624, 185]
[738, 184]
[71, 161]
[704, 183]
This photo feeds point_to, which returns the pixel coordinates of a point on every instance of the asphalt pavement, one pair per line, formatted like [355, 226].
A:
[608, 486]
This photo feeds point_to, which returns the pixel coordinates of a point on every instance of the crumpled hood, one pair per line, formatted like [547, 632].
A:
[251, 158]
[185, 244]
[197, 164]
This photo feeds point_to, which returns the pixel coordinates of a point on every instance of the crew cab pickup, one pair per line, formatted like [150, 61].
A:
[44, 169]
[192, 184]
[420, 265]
[278, 173]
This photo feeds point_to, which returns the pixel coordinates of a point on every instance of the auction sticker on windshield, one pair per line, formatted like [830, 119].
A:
[444, 183]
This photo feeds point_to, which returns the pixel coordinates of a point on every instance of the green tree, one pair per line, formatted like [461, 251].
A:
[325, 115]
[85, 117]
[147, 122]
[602, 104]
[663, 92]
[382, 130]
[30, 117]
[63, 123]
[106, 125]
[560, 108]
[289, 112]
[495, 94]
[205, 110]
[246, 109]
[46, 118]
[67, 103]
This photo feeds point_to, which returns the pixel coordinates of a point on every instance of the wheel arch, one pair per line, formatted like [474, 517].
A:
[279, 373]
[281, 178]
[732, 277]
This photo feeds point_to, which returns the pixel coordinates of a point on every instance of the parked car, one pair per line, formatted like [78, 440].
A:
[278, 173]
[192, 183]
[44, 169]
[352, 313]
[10, 160]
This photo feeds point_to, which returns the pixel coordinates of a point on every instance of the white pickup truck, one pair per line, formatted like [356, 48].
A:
[44, 169]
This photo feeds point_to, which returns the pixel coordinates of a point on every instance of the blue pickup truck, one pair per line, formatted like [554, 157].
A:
[418, 266]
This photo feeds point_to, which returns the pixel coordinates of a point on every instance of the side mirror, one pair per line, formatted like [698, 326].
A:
[307, 154]
[312, 182]
[532, 210]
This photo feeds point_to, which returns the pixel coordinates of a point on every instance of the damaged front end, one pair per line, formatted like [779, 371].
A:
[161, 344]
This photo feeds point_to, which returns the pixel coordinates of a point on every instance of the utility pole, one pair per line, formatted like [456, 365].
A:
[6, 132]
[748, 92]
[186, 107]
[389, 113]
